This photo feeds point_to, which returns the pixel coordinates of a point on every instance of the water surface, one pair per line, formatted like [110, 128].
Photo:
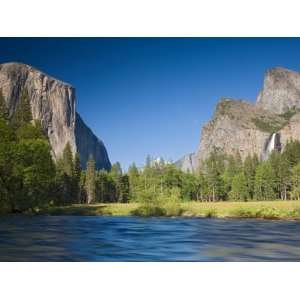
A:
[78, 238]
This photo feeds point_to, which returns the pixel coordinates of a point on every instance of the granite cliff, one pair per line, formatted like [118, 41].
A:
[53, 102]
[254, 128]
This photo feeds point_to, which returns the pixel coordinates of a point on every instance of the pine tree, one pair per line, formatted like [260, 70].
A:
[3, 107]
[282, 172]
[233, 167]
[124, 188]
[65, 176]
[295, 178]
[292, 152]
[116, 173]
[76, 176]
[239, 190]
[116, 170]
[265, 182]
[90, 185]
[134, 178]
[250, 165]
[23, 114]
[67, 159]
[214, 170]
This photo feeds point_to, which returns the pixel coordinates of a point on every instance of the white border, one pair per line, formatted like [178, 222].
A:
[149, 281]
[150, 18]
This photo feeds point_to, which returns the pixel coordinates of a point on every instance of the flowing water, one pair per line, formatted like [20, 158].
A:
[77, 238]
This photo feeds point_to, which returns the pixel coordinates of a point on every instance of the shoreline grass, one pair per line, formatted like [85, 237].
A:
[273, 210]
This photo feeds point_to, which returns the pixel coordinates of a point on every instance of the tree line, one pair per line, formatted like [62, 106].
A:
[31, 179]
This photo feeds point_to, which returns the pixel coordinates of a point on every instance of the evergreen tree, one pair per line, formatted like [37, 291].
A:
[65, 177]
[233, 167]
[116, 173]
[124, 188]
[295, 178]
[134, 180]
[282, 172]
[250, 165]
[106, 190]
[67, 160]
[34, 172]
[3, 108]
[239, 190]
[90, 183]
[214, 170]
[116, 170]
[292, 152]
[202, 187]
[76, 176]
[23, 114]
[7, 180]
[265, 182]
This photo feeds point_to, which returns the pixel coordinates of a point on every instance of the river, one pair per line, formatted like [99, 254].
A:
[80, 238]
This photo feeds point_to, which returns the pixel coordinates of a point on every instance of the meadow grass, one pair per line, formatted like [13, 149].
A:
[253, 209]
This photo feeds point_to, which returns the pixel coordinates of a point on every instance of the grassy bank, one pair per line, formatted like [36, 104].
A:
[287, 210]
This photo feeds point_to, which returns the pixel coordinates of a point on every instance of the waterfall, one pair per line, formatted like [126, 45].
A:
[273, 143]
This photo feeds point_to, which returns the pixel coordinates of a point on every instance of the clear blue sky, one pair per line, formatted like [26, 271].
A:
[152, 95]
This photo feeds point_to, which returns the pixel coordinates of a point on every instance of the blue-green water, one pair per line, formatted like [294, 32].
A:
[77, 238]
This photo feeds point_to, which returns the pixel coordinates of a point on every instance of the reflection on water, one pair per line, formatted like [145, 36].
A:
[76, 238]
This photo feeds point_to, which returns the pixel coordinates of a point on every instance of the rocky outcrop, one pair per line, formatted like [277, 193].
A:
[240, 126]
[281, 91]
[88, 144]
[53, 102]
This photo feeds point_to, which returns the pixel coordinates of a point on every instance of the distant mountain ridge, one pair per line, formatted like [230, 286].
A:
[53, 102]
[246, 128]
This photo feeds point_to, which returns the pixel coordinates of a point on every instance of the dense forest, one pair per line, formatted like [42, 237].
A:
[30, 179]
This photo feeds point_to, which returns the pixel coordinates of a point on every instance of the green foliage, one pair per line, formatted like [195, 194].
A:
[250, 165]
[27, 171]
[34, 171]
[295, 179]
[90, 181]
[215, 168]
[260, 213]
[68, 178]
[265, 182]
[269, 125]
[124, 189]
[106, 190]
[7, 142]
[289, 114]
[239, 189]
[29, 131]
[292, 152]
[22, 114]
[3, 108]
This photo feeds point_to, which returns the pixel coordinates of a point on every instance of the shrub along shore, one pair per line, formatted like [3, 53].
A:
[273, 210]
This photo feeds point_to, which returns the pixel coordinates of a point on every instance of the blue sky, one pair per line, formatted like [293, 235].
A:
[152, 95]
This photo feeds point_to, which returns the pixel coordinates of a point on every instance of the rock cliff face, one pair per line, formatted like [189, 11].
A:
[240, 126]
[87, 144]
[281, 91]
[53, 102]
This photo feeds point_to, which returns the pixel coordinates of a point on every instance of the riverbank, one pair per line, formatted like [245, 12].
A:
[277, 210]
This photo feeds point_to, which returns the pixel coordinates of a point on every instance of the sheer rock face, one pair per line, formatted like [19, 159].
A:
[53, 103]
[88, 143]
[240, 126]
[232, 130]
[281, 91]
